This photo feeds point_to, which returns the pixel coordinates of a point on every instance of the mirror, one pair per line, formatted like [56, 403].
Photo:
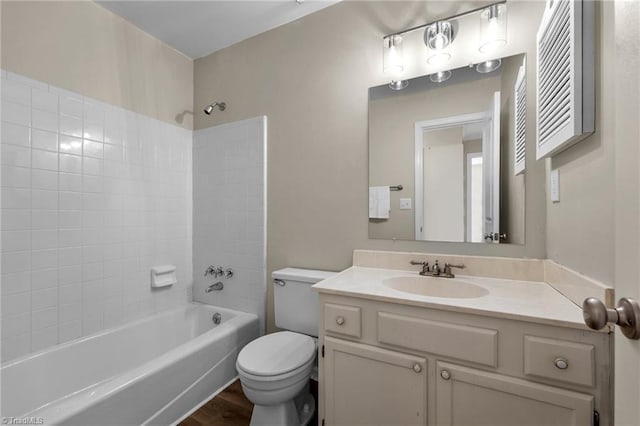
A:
[442, 157]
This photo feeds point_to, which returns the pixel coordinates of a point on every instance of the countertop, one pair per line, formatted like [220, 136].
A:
[520, 300]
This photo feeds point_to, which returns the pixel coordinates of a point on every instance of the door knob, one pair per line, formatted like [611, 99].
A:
[626, 315]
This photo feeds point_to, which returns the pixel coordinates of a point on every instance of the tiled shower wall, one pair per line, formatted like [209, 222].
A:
[229, 216]
[93, 196]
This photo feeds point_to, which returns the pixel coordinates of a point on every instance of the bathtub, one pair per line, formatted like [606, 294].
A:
[155, 370]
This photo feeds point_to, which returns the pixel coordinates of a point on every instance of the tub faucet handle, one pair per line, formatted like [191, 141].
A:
[211, 270]
[228, 273]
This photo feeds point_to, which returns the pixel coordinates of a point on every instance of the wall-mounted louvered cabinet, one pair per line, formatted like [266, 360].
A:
[565, 91]
[520, 120]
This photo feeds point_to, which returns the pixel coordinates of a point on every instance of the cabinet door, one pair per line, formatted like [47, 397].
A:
[365, 385]
[465, 396]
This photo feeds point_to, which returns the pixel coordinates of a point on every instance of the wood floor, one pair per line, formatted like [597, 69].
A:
[229, 408]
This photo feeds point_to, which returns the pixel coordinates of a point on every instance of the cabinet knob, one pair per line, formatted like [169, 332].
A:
[340, 320]
[561, 363]
[445, 374]
[417, 367]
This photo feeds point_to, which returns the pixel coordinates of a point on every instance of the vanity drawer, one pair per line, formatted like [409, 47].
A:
[479, 345]
[342, 319]
[559, 360]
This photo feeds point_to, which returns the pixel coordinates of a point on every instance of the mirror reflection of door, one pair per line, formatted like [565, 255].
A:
[457, 177]
[491, 164]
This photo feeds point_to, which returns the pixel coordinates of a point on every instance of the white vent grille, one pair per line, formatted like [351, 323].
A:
[565, 85]
[520, 116]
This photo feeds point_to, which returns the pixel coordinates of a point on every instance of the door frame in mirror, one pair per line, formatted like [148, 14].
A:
[420, 127]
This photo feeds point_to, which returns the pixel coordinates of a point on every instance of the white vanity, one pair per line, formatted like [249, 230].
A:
[396, 348]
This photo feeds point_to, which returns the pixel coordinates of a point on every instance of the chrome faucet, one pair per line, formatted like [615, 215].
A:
[214, 287]
[436, 270]
[425, 267]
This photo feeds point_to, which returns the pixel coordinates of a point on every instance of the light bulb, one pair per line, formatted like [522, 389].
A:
[392, 55]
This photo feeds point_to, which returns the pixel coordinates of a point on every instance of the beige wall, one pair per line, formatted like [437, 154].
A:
[80, 46]
[392, 148]
[580, 228]
[311, 79]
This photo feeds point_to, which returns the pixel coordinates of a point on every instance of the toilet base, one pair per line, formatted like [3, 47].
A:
[296, 412]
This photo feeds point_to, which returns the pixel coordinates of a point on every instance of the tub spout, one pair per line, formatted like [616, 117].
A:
[214, 287]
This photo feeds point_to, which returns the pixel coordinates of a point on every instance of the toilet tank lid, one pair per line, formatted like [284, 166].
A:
[302, 275]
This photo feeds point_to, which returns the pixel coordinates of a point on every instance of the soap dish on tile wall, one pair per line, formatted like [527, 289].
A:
[163, 276]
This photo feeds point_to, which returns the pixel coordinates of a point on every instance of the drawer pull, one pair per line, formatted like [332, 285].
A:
[340, 320]
[417, 367]
[445, 374]
[561, 363]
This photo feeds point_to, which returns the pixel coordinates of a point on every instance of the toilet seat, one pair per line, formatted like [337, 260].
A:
[276, 355]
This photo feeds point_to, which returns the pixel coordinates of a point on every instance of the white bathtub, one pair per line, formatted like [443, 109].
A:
[152, 371]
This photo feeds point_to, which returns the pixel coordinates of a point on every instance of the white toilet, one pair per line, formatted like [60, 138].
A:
[274, 369]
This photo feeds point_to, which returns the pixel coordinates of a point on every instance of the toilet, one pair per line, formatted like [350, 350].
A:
[275, 369]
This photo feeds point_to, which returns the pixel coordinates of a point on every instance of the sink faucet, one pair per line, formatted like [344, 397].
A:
[436, 270]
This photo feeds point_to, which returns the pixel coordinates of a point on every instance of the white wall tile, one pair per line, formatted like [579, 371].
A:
[71, 106]
[45, 160]
[93, 149]
[44, 100]
[44, 239]
[44, 259]
[71, 126]
[46, 200]
[70, 145]
[42, 279]
[41, 139]
[13, 219]
[230, 232]
[15, 134]
[16, 198]
[16, 177]
[70, 163]
[44, 120]
[83, 220]
[18, 282]
[16, 92]
[14, 155]
[44, 219]
[16, 113]
[44, 179]
[16, 240]
[16, 304]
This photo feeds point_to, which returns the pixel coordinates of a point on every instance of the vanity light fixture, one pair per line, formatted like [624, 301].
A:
[438, 36]
[398, 84]
[440, 76]
[488, 66]
[493, 28]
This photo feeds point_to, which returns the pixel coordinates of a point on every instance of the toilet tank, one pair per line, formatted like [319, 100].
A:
[295, 303]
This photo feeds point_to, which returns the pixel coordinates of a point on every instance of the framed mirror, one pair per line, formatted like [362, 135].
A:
[446, 156]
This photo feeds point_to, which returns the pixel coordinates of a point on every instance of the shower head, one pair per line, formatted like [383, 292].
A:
[209, 108]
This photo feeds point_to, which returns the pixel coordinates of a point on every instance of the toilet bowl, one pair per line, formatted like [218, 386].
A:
[274, 372]
[274, 369]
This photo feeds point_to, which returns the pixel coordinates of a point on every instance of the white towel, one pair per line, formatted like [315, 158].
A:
[379, 202]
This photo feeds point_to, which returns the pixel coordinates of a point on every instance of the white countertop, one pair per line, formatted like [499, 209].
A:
[520, 300]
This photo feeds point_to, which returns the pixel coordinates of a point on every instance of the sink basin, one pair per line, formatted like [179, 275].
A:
[452, 288]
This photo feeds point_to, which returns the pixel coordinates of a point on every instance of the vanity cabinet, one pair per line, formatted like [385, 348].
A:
[384, 363]
[365, 385]
[467, 396]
